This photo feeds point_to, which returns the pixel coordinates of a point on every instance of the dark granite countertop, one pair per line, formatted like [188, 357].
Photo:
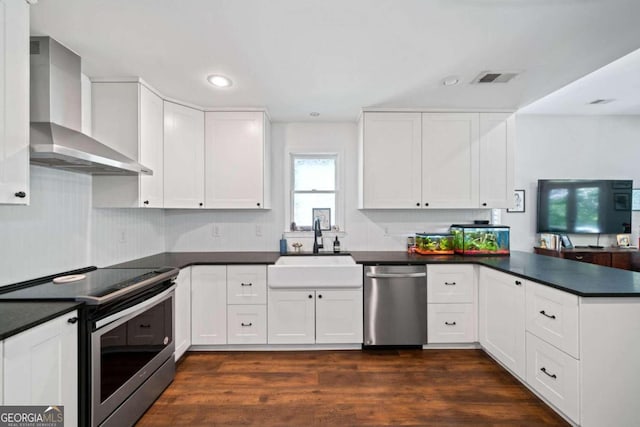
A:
[19, 316]
[571, 276]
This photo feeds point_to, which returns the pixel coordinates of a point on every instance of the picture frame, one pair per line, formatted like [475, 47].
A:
[519, 202]
[624, 240]
[324, 214]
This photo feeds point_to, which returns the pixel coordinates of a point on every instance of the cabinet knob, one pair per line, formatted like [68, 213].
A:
[200, 204]
[418, 204]
[426, 204]
[146, 202]
[72, 320]
[484, 204]
[20, 194]
[310, 296]
[518, 282]
[320, 296]
[258, 204]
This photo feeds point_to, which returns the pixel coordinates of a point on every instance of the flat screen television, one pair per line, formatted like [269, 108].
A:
[584, 206]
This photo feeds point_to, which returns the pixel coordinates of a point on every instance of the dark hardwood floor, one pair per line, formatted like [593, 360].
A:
[342, 388]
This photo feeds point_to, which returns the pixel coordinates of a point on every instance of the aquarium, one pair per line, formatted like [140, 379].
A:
[482, 239]
[434, 243]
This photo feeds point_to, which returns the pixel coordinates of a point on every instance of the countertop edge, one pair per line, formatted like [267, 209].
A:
[37, 320]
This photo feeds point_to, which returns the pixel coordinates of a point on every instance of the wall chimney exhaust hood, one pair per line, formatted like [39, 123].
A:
[56, 140]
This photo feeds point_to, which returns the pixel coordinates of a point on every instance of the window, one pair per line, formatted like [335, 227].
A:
[313, 186]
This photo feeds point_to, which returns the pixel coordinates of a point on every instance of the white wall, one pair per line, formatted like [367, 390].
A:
[580, 147]
[364, 230]
[60, 231]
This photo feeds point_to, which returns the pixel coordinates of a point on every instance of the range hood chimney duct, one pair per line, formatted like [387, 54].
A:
[56, 140]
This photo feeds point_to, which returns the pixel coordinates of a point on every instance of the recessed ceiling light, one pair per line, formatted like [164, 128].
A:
[314, 114]
[219, 81]
[450, 81]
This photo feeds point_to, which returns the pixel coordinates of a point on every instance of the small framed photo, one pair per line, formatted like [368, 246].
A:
[324, 214]
[518, 201]
[624, 240]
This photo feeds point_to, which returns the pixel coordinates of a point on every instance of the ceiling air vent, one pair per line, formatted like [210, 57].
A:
[495, 77]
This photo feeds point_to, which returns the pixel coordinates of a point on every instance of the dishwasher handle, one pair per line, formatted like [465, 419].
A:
[395, 275]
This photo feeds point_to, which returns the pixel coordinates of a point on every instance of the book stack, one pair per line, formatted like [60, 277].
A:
[550, 241]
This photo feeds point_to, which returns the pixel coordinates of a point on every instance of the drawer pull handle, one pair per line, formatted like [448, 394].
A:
[145, 325]
[450, 324]
[579, 257]
[450, 283]
[246, 324]
[246, 284]
[550, 316]
[544, 371]
[72, 320]
[518, 282]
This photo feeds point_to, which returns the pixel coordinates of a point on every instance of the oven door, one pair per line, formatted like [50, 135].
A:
[126, 349]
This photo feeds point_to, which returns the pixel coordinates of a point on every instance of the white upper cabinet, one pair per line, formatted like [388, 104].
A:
[129, 118]
[391, 160]
[450, 160]
[497, 140]
[436, 160]
[183, 156]
[14, 102]
[236, 160]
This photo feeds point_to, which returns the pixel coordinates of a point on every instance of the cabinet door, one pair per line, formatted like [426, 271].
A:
[391, 163]
[151, 148]
[14, 102]
[291, 317]
[41, 366]
[502, 318]
[208, 304]
[450, 160]
[183, 312]
[497, 137]
[183, 156]
[338, 317]
[235, 159]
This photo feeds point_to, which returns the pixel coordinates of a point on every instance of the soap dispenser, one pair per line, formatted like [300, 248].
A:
[336, 246]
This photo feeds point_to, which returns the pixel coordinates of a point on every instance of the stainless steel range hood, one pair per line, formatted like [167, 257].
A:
[56, 140]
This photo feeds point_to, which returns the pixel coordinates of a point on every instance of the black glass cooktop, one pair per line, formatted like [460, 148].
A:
[97, 283]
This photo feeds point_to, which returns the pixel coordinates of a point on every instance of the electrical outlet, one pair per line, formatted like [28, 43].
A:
[122, 236]
[258, 230]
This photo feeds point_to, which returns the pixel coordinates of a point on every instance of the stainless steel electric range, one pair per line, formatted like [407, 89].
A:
[125, 338]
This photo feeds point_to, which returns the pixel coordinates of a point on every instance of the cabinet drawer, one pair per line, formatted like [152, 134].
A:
[553, 374]
[247, 324]
[590, 257]
[553, 316]
[246, 284]
[450, 283]
[450, 323]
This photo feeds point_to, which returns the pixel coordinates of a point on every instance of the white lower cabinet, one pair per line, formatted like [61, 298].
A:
[315, 316]
[41, 366]
[247, 324]
[451, 323]
[182, 335]
[554, 374]
[338, 317]
[208, 304]
[502, 318]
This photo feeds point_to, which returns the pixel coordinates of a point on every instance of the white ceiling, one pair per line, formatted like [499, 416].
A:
[337, 56]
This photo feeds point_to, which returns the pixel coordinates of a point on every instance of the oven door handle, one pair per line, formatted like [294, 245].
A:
[136, 308]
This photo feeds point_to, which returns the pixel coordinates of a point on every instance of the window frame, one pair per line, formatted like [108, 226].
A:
[290, 191]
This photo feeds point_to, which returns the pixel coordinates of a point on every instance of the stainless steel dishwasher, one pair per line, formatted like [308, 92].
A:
[395, 305]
